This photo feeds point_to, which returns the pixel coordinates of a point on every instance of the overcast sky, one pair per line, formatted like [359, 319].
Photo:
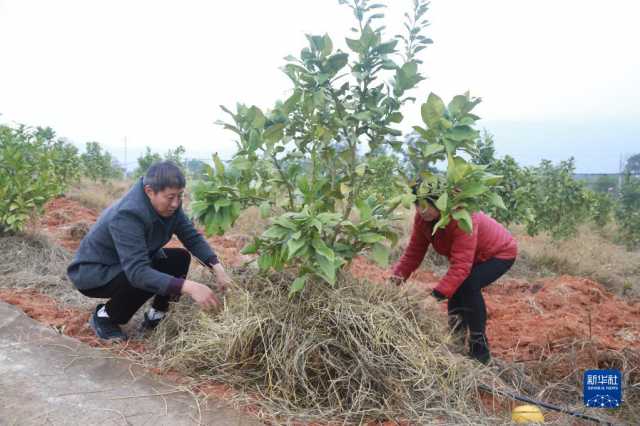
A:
[557, 78]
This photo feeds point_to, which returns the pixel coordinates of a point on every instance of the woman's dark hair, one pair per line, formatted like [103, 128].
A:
[414, 191]
[164, 175]
[415, 186]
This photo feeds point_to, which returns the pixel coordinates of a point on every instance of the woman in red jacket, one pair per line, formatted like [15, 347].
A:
[475, 261]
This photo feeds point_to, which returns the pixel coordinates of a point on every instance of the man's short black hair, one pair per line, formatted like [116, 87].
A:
[164, 175]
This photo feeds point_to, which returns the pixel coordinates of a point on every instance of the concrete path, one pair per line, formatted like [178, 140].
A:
[50, 379]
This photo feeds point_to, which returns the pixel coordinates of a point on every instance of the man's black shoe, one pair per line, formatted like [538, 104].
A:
[105, 328]
[149, 324]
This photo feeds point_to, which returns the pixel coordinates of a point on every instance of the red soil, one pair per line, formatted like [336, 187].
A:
[72, 322]
[67, 221]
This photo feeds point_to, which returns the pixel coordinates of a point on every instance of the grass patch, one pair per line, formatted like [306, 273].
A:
[33, 261]
[354, 353]
[590, 254]
[98, 195]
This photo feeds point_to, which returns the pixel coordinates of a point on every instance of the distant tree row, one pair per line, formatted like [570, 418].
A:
[544, 198]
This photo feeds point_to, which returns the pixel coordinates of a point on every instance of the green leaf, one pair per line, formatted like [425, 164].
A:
[327, 45]
[431, 149]
[242, 163]
[265, 261]
[294, 246]
[371, 238]
[360, 169]
[388, 64]
[380, 255]
[259, 119]
[461, 133]
[336, 62]
[322, 249]
[451, 168]
[219, 165]
[363, 116]
[457, 105]
[265, 209]
[355, 45]
[368, 37]
[442, 202]
[223, 202]
[432, 110]
[408, 200]
[275, 232]
[386, 48]
[442, 223]
[292, 102]
[326, 269]
[395, 117]
[297, 285]
[273, 133]
[491, 179]
[496, 200]
[364, 210]
[251, 248]
[285, 223]
[472, 190]
[406, 77]
[464, 220]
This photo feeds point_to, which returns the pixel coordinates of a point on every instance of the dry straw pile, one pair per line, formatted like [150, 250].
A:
[355, 353]
[33, 261]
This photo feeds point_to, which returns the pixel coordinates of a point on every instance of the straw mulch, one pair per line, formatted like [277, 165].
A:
[352, 354]
[33, 261]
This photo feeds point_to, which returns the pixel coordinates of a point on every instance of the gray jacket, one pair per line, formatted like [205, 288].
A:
[126, 238]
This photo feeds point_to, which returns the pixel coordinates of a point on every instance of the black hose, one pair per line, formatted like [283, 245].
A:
[542, 404]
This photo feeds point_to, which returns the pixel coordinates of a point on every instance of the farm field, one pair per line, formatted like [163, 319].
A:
[547, 328]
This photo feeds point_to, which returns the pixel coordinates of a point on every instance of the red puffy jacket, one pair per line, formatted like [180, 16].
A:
[489, 239]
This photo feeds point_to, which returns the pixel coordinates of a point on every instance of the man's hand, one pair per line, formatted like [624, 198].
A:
[222, 279]
[200, 293]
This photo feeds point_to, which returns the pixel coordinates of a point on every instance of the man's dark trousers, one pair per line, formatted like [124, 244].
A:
[125, 299]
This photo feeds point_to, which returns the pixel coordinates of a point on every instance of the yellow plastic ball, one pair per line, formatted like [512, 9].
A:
[527, 414]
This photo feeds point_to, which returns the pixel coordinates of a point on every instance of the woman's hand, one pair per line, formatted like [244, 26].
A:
[438, 296]
[395, 280]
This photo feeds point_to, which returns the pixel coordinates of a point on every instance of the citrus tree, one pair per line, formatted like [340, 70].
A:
[148, 158]
[35, 167]
[99, 164]
[601, 207]
[145, 161]
[304, 161]
[628, 211]
[560, 202]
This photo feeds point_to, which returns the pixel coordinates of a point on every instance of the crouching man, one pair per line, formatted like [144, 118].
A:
[122, 259]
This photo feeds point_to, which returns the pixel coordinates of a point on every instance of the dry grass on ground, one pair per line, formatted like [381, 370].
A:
[354, 353]
[590, 254]
[33, 261]
[98, 195]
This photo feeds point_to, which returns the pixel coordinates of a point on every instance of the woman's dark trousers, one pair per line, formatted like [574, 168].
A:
[467, 309]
